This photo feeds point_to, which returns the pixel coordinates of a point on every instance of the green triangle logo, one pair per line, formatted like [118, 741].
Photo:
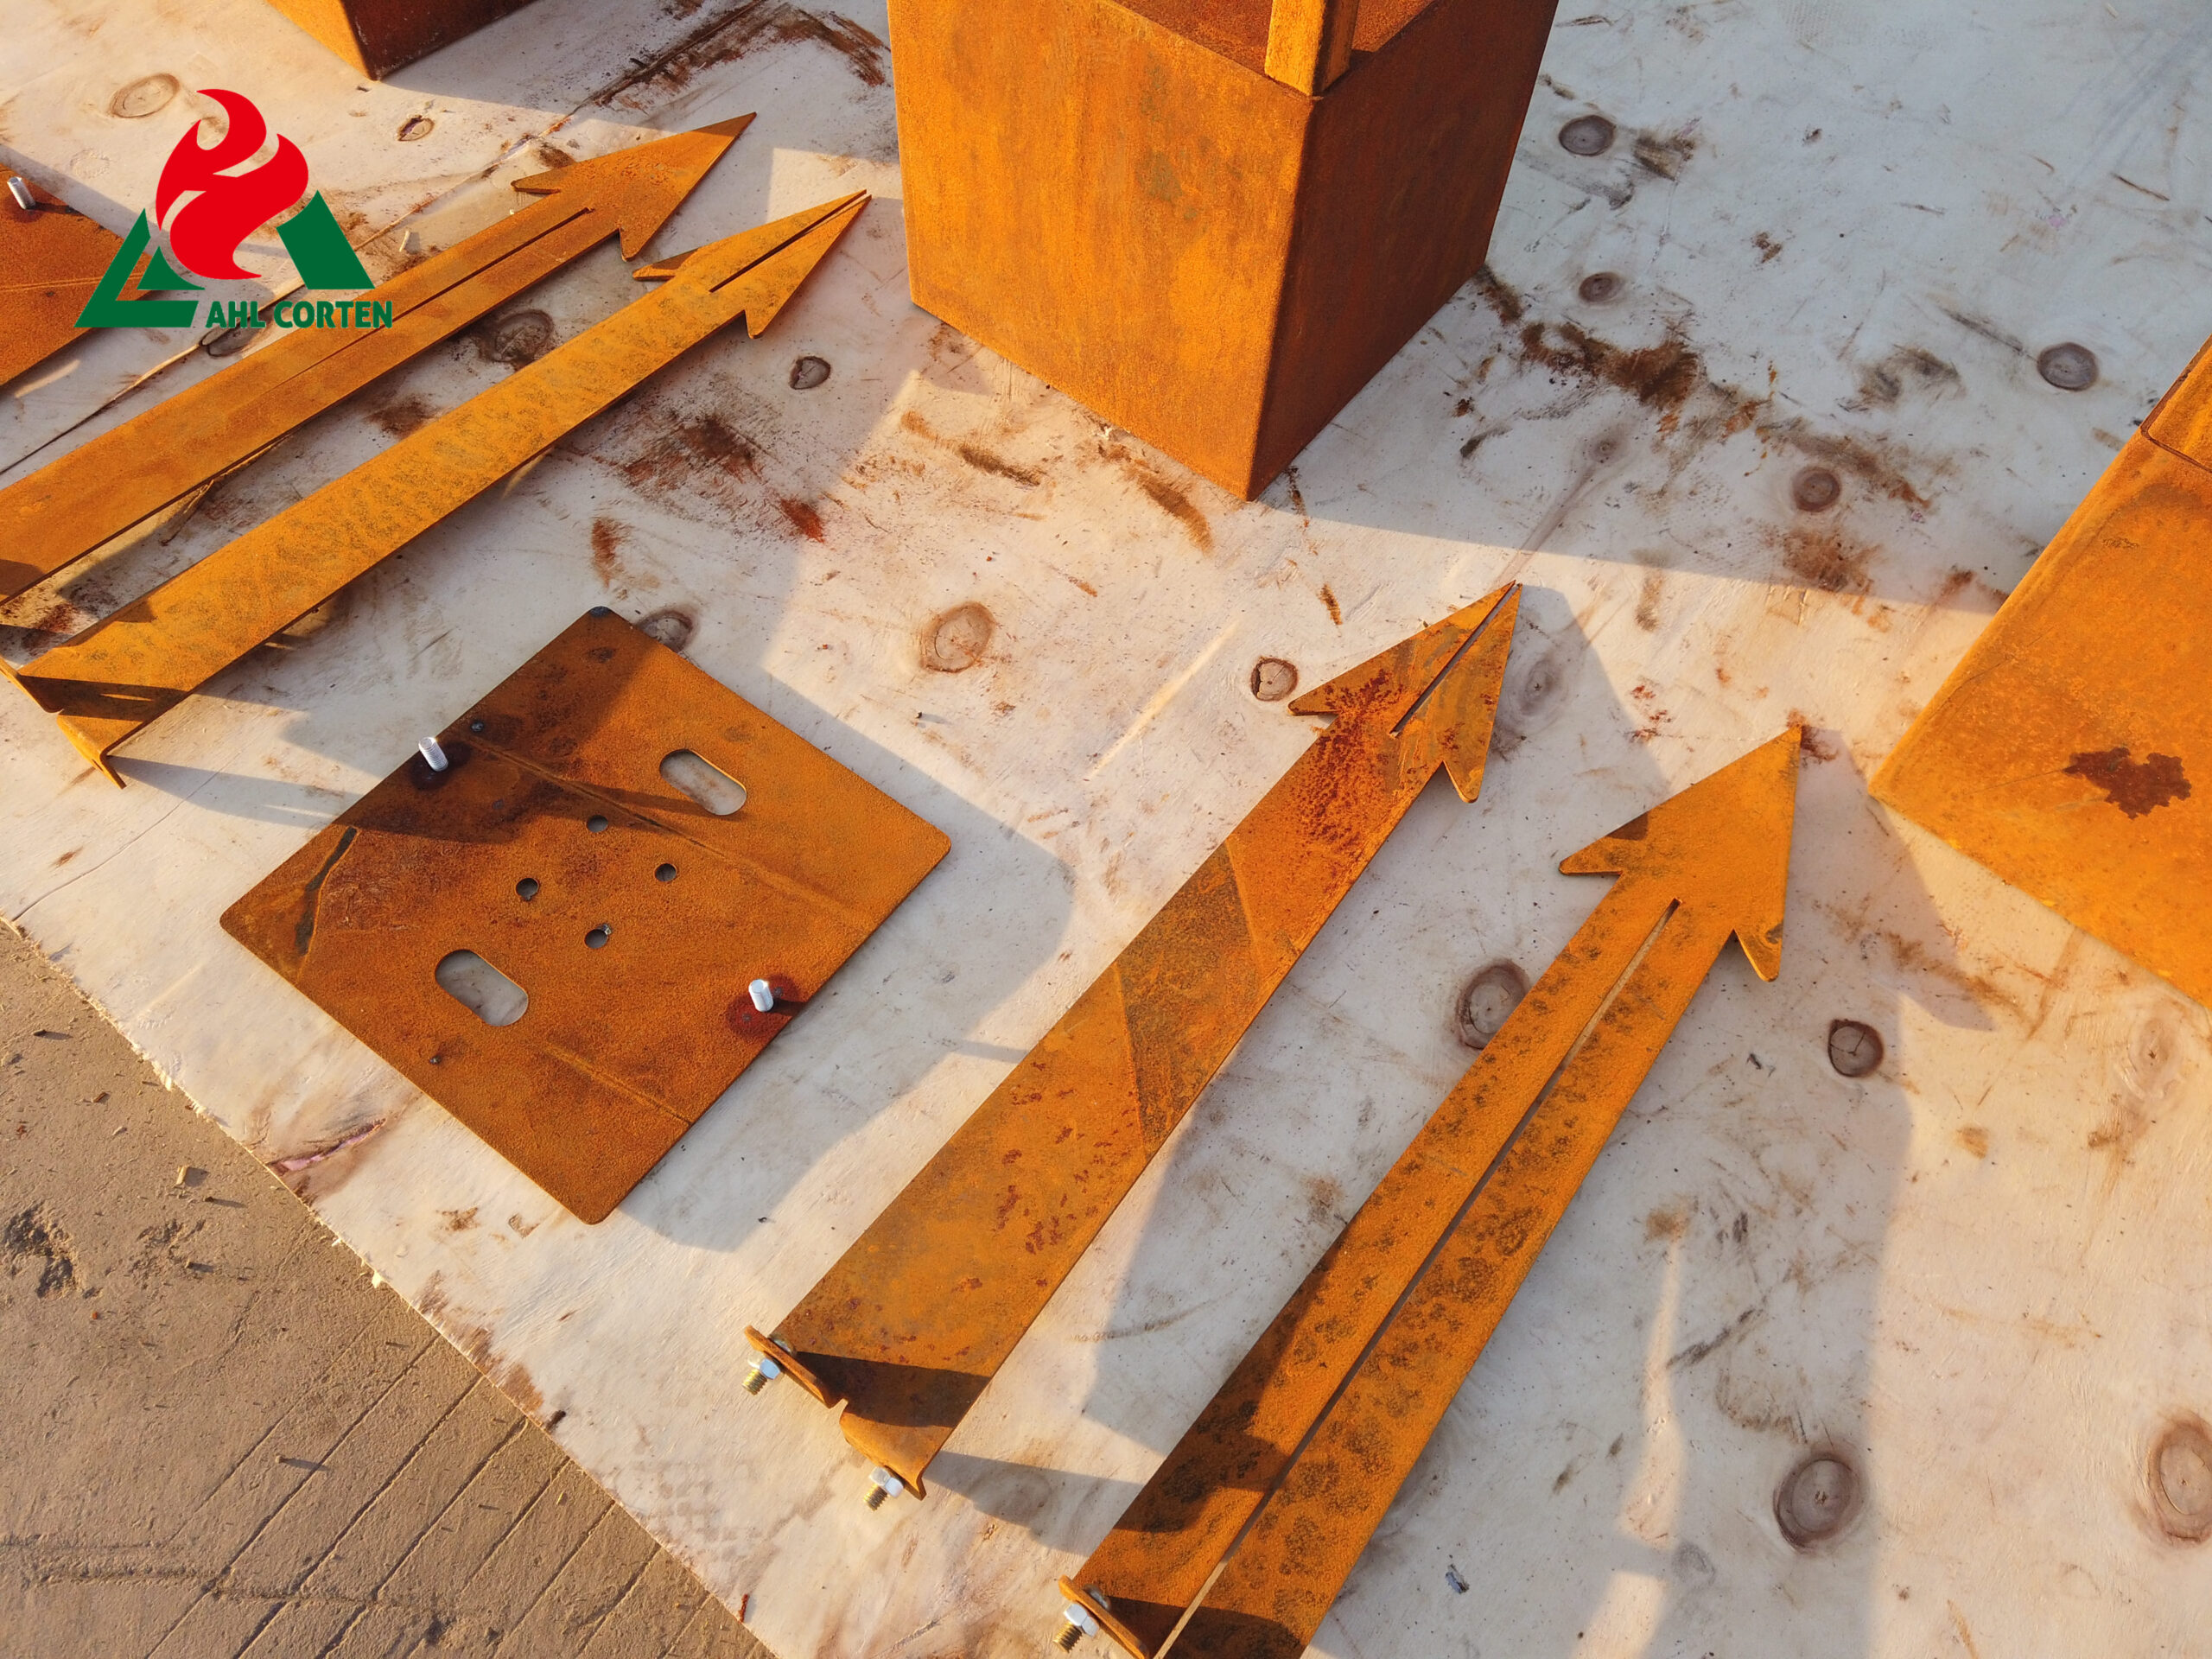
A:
[162, 277]
[107, 309]
[319, 249]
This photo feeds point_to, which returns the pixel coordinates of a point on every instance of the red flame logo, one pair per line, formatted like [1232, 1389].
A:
[228, 206]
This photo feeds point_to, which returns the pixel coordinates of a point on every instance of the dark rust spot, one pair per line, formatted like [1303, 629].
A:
[2134, 786]
[1828, 561]
[683, 447]
[1170, 500]
[1661, 377]
[998, 466]
[607, 536]
[1586, 135]
[804, 519]
[1814, 743]
[401, 415]
[955, 640]
[1854, 1047]
[1273, 679]
[515, 339]
[1815, 489]
[1665, 153]
[1500, 296]
[1909, 368]
[1866, 460]
[1329, 602]
[1769, 248]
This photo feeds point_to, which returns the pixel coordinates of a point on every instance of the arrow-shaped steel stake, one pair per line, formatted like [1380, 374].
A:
[121, 674]
[922, 1310]
[1305, 1446]
[103, 487]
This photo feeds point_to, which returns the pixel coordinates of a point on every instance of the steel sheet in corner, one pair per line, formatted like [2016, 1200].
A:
[2070, 751]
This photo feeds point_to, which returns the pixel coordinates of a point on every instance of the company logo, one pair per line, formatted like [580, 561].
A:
[205, 207]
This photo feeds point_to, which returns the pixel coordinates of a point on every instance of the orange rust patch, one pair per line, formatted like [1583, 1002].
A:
[1660, 377]
[804, 519]
[403, 415]
[1826, 559]
[698, 442]
[607, 536]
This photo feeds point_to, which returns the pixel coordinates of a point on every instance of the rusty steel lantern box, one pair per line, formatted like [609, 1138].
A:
[1211, 220]
[378, 37]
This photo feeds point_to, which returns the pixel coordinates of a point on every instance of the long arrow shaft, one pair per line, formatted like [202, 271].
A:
[1282, 1580]
[118, 676]
[913, 1320]
[101, 488]
[119, 479]
[1180, 1527]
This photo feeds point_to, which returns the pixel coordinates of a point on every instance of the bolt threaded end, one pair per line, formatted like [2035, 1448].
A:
[755, 1380]
[1071, 1633]
[875, 1497]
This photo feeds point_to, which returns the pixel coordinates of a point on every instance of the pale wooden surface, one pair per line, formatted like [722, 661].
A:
[1980, 1273]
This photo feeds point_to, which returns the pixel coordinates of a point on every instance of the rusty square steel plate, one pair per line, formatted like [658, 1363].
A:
[2070, 751]
[586, 841]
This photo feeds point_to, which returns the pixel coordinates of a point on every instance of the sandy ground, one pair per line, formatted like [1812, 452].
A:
[223, 1436]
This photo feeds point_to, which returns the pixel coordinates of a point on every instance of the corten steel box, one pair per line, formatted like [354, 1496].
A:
[1121, 200]
[377, 36]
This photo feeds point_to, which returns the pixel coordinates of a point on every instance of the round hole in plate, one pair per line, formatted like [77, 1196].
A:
[1600, 287]
[1817, 1499]
[667, 873]
[599, 935]
[1487, 1000]
[526, 889]
[146, 96]
[1815, 490]
[596, 823]
[414, 129]
[1586, 135]
[1273, 679]
[2067, 366]
[1854, 1047]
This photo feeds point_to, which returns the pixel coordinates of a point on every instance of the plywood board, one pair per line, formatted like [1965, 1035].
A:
[1841, 236]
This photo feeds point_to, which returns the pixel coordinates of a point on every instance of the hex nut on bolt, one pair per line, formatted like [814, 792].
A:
[764, 1370]
[1078, 1622]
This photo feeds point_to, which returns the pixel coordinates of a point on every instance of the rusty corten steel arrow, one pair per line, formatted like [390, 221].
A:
[918, 1314]
[103, 487]
[121, 674]
[1302, 1450]
[51, 256]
